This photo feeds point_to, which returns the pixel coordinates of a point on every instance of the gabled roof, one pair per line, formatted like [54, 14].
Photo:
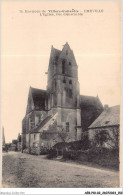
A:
[109, 117]
[57, 52]
[39, 96]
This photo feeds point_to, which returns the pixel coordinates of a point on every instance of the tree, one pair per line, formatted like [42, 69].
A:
[101, 137]
[109, 136]
[63, 136]
[114, 138]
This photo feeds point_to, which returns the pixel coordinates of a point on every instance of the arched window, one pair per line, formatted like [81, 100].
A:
[70, 63]
[70, 82]
[70, 93]
[63, 67]
[56, 59]
[55, 100]
[67, 126]
[66, 52]
[55, 84]
[64, 81]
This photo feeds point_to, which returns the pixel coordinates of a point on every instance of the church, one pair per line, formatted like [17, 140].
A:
[60, 113]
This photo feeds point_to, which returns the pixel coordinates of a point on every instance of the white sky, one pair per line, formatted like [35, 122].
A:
[26, 43]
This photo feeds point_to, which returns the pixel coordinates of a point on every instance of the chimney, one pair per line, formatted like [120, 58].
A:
[106, 107]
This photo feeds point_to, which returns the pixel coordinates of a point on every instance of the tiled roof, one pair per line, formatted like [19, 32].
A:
[39, 97]
[109, 117]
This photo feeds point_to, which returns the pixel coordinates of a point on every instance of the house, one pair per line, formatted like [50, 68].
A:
[106, 128]
[59, 113]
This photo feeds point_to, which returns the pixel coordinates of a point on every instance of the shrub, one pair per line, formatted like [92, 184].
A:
[52, 154]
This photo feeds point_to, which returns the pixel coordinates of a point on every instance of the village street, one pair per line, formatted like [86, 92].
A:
[24, 170]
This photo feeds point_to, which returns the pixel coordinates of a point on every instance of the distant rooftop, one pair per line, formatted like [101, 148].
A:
[109, 117]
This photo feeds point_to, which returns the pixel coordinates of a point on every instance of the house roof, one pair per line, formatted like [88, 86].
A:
[109, 117]
[39, 97]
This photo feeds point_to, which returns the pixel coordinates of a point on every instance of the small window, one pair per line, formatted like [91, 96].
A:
[67, 126]
[70, 63]
[70, 93]
[63, 67]
[34, 136]
[31, 120]
[64, 81]
[76, 131]
[56, 58]
[66, 52]
[55, 100]
[70, 82]
[55, 84]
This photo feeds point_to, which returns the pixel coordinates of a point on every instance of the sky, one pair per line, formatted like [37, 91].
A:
[26, 39]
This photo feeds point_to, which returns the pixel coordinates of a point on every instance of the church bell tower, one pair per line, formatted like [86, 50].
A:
[63, 91]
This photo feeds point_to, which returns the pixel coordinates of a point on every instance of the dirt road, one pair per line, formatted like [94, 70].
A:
[24, 170]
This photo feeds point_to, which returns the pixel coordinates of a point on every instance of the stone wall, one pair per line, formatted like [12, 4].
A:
[32, 120]
[48, 139]
[23, 141]
[27, 140]
[34, 139]
[68, 120]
